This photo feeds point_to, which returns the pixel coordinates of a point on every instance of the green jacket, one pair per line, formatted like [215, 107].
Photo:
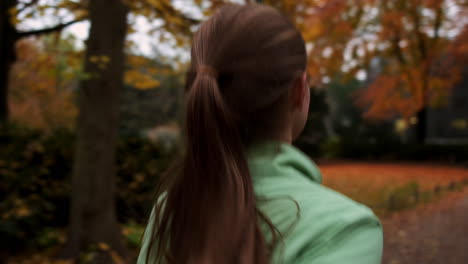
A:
[318, 225]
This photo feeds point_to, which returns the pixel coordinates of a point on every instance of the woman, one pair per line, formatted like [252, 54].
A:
[243, 193]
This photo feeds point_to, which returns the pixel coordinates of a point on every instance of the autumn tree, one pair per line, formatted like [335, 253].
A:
[175, 23]
[418, 65]
[10, 13]
[403, 45]
[43, 82]
[92, 218]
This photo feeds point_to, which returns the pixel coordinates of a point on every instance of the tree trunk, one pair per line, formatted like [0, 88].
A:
[8, 37]
[93, 217]
[421, 127]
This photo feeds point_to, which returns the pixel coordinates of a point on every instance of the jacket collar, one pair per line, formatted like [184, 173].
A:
[275, 158]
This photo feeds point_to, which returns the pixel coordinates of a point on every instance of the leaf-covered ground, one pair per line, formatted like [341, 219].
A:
[356, 175]
[429, 231]
[392, 187]
[431, 234]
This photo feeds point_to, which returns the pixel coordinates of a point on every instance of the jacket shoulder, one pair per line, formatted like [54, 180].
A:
[313, 216]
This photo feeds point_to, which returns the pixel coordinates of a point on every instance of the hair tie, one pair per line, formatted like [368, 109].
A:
[207, 69]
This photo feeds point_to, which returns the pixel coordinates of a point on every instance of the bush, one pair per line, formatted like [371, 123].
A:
[392, 150]
[33, 186]
[404, 197]
[140, 163]
[35, 171]
[331, 148]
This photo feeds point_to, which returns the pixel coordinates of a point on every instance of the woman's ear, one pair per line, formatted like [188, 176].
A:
[300, 91]
[300, 105]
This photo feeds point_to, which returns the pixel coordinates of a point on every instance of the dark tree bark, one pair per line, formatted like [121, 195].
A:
[421, 127]
[93, 217]
[8, 37]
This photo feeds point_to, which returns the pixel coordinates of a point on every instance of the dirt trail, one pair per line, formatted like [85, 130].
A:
[436, 233]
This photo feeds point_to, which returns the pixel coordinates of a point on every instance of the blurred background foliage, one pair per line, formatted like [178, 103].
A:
[389, 83]
[35, 171]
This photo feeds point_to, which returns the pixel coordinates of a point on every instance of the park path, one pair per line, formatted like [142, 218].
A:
[436, 233]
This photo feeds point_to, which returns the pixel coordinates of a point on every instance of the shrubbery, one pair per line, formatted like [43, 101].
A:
[390, 149]
[35, 171]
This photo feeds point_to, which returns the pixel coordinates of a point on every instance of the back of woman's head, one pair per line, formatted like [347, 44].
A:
[244, 60]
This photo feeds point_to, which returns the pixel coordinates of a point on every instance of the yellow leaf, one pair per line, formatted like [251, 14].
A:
[105, 59]
[13, 11]
[23, 212]
[94, 59]
[116, 258]
[140, 80]
[61, 261]
[103, 246]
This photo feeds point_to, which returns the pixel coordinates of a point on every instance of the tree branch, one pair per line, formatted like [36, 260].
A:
[48, 30]
[437, 25]
[176, 13]
[26, 5]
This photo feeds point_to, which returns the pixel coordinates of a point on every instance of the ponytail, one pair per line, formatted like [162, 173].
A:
[211, 202]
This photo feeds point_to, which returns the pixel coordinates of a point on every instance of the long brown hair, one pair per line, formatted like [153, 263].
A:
[244, 59]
